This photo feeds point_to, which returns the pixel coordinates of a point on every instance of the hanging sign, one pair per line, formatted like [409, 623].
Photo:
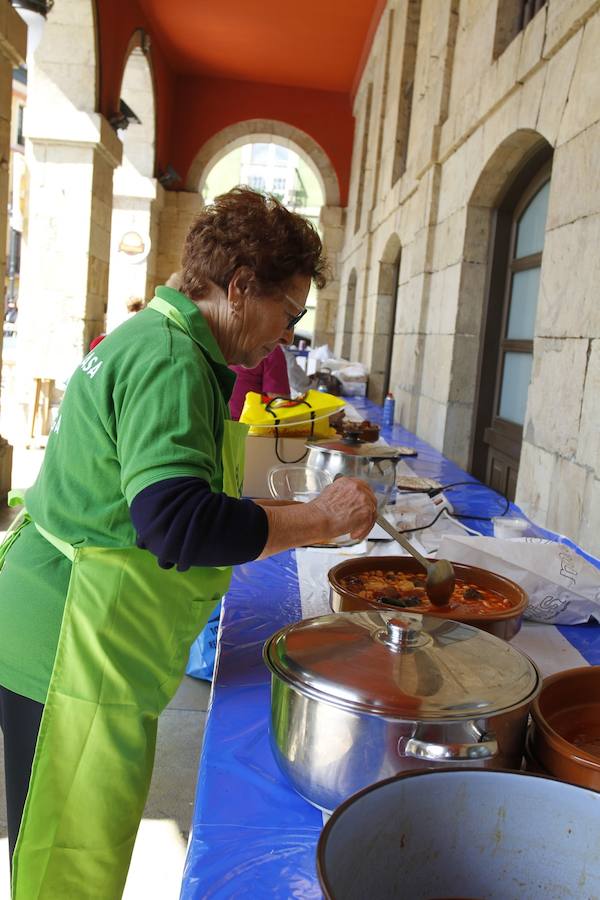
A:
[134, 247]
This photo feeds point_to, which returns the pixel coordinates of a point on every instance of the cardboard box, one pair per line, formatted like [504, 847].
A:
[262, 455]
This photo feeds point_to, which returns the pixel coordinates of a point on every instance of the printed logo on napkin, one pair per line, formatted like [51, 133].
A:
[563, 588]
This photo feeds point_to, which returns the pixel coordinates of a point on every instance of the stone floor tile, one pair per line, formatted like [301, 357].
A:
[157, 863]
[180, 734]
[192, 694]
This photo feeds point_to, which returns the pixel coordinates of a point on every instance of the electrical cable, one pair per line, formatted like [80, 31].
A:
[433, 492]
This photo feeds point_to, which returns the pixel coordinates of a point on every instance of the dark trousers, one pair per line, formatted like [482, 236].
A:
[20, 722]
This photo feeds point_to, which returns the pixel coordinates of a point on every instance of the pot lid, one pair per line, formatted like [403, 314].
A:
[345, 448]
[406, 666]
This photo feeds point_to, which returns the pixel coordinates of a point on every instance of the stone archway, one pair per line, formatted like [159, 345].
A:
[264, 131]
[332, 215]
[488, 192]
[138, 92]
[137, 196]
[383, 318]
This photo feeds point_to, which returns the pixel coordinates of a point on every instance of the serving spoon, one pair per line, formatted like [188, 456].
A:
[440, 581]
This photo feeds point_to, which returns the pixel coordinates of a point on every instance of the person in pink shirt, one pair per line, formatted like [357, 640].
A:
[269, 377]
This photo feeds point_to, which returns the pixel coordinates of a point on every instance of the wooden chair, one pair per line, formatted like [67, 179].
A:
[41, 404]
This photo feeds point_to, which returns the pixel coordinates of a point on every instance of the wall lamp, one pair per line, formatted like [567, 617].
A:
[33, 13]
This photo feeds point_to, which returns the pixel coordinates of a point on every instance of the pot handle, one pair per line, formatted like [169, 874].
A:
[485, 746]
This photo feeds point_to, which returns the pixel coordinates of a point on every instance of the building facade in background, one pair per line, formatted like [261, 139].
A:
[469, 269]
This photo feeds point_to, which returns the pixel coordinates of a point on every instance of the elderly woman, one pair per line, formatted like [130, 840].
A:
[130, 532]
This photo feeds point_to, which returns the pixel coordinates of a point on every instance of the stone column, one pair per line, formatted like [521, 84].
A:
[66, 244]
[179, 210]
[156, 207]
[137, 206]
[13, 47]
[332, 222]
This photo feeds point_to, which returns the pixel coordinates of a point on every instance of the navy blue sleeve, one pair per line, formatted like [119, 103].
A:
[183, 523]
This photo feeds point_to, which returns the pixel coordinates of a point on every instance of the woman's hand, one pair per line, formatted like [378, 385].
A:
[347, 505]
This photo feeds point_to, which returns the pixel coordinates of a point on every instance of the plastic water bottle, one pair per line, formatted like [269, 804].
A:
[389, 406]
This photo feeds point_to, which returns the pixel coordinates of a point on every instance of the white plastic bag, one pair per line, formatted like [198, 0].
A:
[320, 353]
[563, 588]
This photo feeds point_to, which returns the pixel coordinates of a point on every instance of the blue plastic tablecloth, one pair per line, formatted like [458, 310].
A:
[252, 835]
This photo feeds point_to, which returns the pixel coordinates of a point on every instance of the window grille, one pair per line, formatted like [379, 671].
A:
[511, 18]
[257, 182]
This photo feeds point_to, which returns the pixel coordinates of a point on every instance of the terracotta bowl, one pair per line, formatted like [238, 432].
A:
[503, 624]
[566, 726]
[531, 763]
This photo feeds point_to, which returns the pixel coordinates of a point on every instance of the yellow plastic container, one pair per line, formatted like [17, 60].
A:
[306, 416]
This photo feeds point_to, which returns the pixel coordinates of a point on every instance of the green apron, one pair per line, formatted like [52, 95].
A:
[125, 638]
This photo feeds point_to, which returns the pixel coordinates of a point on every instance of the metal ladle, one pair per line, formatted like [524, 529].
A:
[440, 574]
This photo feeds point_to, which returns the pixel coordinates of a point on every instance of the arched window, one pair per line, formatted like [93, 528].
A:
[407, 85]
[508, 347]
[384, 320]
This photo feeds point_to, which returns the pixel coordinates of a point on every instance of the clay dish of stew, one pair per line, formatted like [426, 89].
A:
[565, 734]
[347, 578]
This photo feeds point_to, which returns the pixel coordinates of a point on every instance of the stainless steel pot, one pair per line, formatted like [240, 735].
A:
[358, 697]
[374, 463]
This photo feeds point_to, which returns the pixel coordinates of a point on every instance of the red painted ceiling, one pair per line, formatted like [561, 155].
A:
[312, 43]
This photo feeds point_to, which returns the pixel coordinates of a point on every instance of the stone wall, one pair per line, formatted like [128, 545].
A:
[179, 210]
[479, 99]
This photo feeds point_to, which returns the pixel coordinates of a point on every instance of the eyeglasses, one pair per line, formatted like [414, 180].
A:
[293, 320]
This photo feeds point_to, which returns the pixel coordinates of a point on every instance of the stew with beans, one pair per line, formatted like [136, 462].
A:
[407, 591]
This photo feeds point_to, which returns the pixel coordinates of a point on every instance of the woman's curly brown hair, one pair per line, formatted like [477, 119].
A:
[246, 229]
